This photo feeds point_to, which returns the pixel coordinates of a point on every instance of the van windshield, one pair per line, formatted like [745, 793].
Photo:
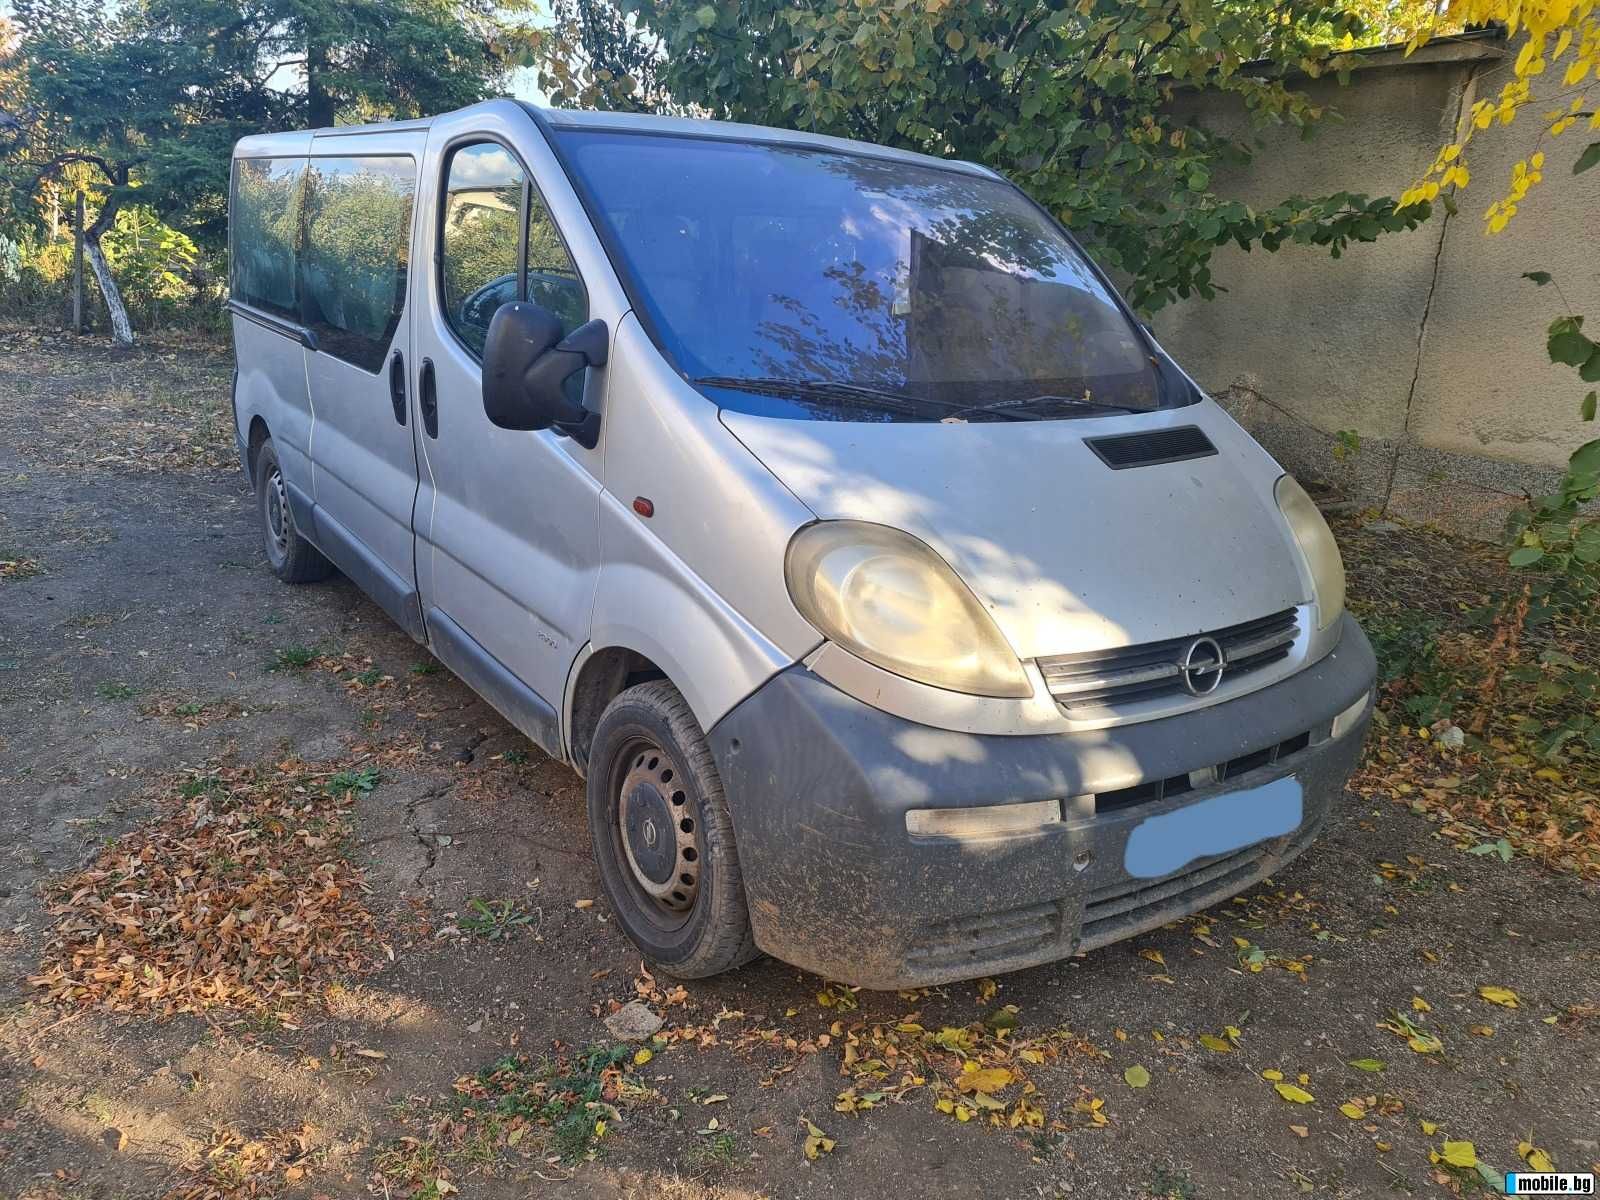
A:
[803, 283]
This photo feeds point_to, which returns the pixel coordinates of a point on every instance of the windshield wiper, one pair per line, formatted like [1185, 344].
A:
[1008, 407]
[854, 393]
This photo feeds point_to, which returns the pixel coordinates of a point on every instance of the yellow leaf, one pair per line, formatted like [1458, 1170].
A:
[1215, 1044]
[985, 1079]
[1300, 1131]
[1460, 1154]
[1137, 1076]
[1429, 1127]
[1502, 996]
[640, 1057]
[599, 1129]
[1294, 1094]
[1421, 1005]
[1272, 1074]
[816, 1142]
[1352, 1110]
[1537, 1159]
[1154, 956]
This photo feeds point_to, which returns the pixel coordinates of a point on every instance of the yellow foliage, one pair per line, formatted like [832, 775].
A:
[1564, 33]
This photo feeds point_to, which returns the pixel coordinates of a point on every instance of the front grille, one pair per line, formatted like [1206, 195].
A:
[1176, 785]
[988, 939]
[1099, 679]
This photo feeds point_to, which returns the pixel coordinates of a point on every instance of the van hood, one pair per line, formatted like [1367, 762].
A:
[1067, 554]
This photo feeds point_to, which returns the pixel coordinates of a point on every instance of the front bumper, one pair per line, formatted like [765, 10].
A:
[819, 784]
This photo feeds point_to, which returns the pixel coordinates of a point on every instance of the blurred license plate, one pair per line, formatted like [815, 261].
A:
[1218, 825]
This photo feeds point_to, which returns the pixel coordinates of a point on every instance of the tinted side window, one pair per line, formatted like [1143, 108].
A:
[264, 229]
[358, 240]
[482, 208]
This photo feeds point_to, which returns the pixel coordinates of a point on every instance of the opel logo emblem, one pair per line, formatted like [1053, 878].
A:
[1201, 668]
[650, 829]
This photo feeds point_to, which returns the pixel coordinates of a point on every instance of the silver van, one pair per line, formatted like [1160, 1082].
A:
[910, 614]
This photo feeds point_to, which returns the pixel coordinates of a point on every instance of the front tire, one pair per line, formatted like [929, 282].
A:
[291, 557]
[663, 839]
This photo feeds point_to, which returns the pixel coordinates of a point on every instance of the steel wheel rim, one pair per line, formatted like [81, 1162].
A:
[277, 515]
[657, 831]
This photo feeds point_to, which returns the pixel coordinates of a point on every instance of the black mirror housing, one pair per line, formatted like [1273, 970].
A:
[525, 363]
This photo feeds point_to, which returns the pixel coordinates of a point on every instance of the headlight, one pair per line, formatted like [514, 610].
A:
[1317, 544]
[886, 597]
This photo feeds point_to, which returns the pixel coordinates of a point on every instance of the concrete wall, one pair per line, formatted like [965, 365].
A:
[1428, 344]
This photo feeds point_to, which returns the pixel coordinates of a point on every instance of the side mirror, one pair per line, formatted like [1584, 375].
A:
[525, 363]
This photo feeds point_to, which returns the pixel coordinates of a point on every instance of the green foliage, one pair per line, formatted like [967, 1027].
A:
[1407, 649]
[361, 782]
[147, 98]
[494, 920]
[1555, 532]
[1083, 105]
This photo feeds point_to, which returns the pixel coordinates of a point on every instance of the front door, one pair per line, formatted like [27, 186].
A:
[507, 521]
[354, 274]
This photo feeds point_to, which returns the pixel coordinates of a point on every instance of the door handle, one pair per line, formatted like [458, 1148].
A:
[429, 396]
[397, 386]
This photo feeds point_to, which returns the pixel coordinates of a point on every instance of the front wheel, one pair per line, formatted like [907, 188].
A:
[663, 839]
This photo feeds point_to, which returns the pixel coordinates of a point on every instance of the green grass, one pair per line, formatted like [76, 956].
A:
[294, 658]
[369, 677]
[494, 920]
[114, 690]
[425, 668]
[362, 781]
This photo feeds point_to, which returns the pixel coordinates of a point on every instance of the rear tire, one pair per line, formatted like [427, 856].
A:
[291, 557]
[663, 839]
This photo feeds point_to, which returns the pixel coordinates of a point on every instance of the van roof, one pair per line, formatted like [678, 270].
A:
[733, 131]
[298, 141]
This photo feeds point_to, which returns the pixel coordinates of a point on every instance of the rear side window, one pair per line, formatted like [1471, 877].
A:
[357, 248]
[267, 197]
[484, 241]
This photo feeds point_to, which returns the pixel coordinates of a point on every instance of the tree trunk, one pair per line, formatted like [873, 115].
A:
[121, 326]
[319, 102]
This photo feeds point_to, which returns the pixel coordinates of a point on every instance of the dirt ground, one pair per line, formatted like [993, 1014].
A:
[143, 641]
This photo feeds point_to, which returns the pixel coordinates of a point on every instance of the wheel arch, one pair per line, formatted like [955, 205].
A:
[599, 676]
[257, 436]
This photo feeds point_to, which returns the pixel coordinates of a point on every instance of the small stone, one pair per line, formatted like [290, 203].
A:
[633, 1022]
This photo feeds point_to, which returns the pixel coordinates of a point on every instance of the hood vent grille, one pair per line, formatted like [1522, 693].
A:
[1152, 448]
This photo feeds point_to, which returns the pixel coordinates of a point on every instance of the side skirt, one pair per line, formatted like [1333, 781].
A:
[364, 569]
[488, 676]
